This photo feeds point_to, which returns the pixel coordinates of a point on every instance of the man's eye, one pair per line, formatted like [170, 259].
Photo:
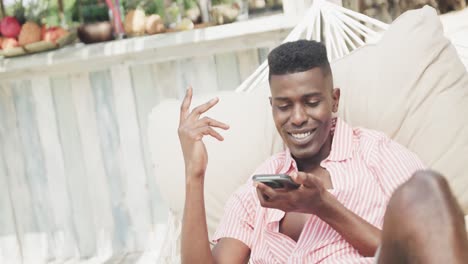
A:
[282, 107]
[313, 104]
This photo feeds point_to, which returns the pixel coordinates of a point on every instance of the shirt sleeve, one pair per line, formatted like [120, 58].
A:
[393, 164]
[239, 216]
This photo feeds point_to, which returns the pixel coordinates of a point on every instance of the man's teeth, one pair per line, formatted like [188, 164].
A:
[301, 135]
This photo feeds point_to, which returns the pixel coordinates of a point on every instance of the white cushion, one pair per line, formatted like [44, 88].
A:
[456, 29]
[412, 86]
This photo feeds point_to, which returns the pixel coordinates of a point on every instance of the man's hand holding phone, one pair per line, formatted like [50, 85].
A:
[306, 194]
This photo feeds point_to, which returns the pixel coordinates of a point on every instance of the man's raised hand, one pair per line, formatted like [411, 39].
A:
[191, 131]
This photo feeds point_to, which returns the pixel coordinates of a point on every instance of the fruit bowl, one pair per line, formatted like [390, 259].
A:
[13, 52]
[95, 32]
[40, 46]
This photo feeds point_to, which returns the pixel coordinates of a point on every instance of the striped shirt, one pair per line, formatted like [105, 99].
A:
[365, 167]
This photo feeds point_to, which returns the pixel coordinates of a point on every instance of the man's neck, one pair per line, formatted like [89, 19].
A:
[310, 164]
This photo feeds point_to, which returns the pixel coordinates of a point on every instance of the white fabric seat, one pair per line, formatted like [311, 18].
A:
[410, 85]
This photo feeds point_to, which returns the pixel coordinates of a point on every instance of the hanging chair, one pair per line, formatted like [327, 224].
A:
[391, 77]
[340, 29]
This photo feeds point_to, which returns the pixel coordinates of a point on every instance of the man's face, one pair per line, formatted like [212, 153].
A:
[302, 105]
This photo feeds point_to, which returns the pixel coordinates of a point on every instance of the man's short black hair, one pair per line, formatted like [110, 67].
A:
[298, 56]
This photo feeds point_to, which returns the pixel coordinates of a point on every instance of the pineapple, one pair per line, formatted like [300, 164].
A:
[30, 33]
[19, 12]
[36, 11]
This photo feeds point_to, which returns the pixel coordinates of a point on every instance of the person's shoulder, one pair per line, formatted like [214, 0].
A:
[375, 143]
[370, 136]
[369, 141]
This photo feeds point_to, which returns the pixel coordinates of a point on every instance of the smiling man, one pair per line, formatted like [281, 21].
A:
[346, 178]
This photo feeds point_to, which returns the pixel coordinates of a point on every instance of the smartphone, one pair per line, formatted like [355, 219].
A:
[276, 181]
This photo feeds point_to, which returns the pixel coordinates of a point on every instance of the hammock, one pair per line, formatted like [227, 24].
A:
[342, 31]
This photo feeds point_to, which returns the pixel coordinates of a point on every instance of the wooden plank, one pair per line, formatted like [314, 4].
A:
[227, 71]
[9, 244]
[35, 243]
[98, 186]
[153, 248]
[247, 63]
[262, 54]
[82, 214]
[131, 258]
[61, 241]
[200, 73]
[135, 184]
[108, 131]
[116, 259]
[168, 83]
[147, 95]
[75, 260]
[144, 85]
[149, 257]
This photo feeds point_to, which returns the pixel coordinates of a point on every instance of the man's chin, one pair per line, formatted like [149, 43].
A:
[303, 153]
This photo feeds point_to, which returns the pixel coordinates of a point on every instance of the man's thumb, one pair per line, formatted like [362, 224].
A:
[299, 177]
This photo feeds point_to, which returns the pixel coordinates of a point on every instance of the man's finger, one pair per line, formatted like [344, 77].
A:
[264, 200]
[261, 197]
[265, 189]
[199, 110]
[207, 121]
[206, 130]
[306, 179]
[299, 177]
[185, 106]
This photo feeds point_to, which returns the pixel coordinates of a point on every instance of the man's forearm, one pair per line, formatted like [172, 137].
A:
[195, 245]
[358, 232]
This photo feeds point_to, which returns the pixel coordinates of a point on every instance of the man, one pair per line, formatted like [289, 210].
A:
[346, 175]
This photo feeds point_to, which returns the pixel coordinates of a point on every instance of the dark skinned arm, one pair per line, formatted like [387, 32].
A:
[313, 198]
[195, 246]
[363, 236]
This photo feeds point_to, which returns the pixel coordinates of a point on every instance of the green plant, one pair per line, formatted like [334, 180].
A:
[89, 11]
[36, 11]
[19, 11]
[221, 2]
[149, 6]
[188, 4]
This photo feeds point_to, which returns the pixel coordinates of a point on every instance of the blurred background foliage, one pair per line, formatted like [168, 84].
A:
[83, 11]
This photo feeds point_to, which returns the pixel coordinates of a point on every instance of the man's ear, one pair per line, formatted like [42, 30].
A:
[336, 93]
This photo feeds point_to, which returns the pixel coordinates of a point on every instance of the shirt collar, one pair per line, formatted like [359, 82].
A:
[341, 149]
[343, 141]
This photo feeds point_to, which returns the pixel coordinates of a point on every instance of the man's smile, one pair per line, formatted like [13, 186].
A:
[302, 137]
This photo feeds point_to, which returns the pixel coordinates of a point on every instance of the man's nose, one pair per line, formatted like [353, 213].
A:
[299, 116]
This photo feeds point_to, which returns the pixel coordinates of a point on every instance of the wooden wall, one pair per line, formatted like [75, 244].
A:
[76, 183]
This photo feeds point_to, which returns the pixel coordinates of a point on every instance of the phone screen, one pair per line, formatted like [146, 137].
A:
[276, 181]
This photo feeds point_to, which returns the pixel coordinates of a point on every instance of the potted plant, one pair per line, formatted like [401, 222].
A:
[143, 17]
[94, 16]
[224, 11]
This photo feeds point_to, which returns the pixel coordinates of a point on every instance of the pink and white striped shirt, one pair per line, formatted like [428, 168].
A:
[365, 167]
